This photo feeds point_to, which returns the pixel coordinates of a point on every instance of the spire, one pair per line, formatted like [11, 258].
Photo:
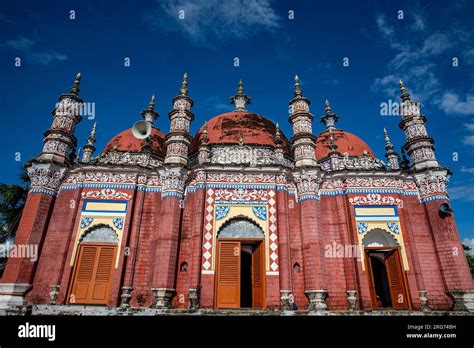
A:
[330, 118]
[278, 140]
[298, 91]
[240, 99]
[184, 85]
[75, 86]
[388, 143]
[89, 148]
[405, 96]
[391, 155]
[149, 114]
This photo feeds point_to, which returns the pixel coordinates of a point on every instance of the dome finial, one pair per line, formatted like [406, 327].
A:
[184, 85]
[328, 107]
[330, 118]
[298, 91]
[151, 105]
[405, 96]
[75, 86]
[240, 100]
[149, 114]
[332, 143]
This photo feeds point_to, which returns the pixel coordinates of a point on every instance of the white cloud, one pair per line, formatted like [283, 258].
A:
[469, 126]
[418, 24]
[25, 46]
[467, 170]
[21, 44]
[468, 140]
[212, 21]
[464, 193]
[451, 103]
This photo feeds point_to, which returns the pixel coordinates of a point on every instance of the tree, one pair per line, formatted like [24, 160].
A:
[470, 259]
[12, 202]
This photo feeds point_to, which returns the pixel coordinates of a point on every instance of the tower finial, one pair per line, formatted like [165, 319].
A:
[88, 149]
[332, 143]
[298, 91]
[75, 86]
[151, 105]
[330, 118]
[405, 96]
[240, 100]
[184, 85]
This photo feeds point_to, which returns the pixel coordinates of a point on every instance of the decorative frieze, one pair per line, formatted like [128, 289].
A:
[432, 184]
[374, 199]
[106, 193]
[365, 162]
[45, 177]
[119, 158]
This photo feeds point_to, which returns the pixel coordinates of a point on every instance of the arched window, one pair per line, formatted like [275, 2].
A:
[240, 228]
[99, 234]
[379, 238]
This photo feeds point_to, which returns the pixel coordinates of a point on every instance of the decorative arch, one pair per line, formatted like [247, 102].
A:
[100, 233]
[379, 237]
[240, 227]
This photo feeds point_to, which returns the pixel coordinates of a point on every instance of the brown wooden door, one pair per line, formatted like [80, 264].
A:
[370, 276]
[396, 280]
[228, 275]
[258, 277]
[93, 274]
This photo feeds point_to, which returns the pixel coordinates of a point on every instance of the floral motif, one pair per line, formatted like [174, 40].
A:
[362, 227]
[241, 178]
[222, 211]
[374, 199]
[308, 184]
[260, 212]
[434, 184]
[106, 193]
[240, 195]
[393, 226]
[118, 222]
[86, 221]
[45, 177]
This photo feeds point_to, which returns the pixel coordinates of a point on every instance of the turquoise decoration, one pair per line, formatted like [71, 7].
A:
[222, 211]
[362, 227]
[86, 222]
[260, 212]
[118, 222]
[393, 226]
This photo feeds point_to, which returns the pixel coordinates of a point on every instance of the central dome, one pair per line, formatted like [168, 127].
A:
[126, 142]
[235, 126]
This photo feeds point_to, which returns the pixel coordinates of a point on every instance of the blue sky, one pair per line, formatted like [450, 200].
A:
[381, 46]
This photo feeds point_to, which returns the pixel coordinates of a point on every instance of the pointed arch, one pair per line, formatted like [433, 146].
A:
[100, 233]
[240, 227]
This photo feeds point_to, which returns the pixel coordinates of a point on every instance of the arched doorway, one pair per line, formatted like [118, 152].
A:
[240, 276]
[93, 268]
[386, 277]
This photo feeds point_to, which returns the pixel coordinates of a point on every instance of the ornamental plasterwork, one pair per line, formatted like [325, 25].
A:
[127, 159]
[180, 123]
[67, 106]
[173, 181]
[243, 154]
[55, 146]
[299, 106]
[241, 178]
[106, 193]
[353, 163]
[302, 125]
[432, 184]
[240, 195]
[63, 122]
[182, 104]
[416, 130]
[304, 151]
[308, 184]
[177, 148]
[42, 177]
[380, 183]
[422, 154]
[374, 199]
[100, 177]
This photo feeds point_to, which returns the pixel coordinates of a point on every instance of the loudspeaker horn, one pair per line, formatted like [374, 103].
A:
[141, 129]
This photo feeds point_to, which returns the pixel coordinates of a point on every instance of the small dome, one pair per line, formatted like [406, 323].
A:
[346, 143]
[126, 142]
[229, 127]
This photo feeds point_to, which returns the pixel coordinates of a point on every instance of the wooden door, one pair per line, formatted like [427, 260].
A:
[228, 274]
[258, 276]
[396, 280]
[370, 276]
[93, 274]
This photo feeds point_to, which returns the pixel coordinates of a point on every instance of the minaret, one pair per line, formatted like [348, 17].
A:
[179, 139]
[149, 114]
[330, 118]
[240, 99]
[419, 144]
[391, 156]
[60, 142]
[278, 145]
[89, 148]
[203, 156]
[304, 143]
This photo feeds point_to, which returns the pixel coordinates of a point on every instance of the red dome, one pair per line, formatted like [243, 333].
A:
[227, 128]
[346, 143]
[126, 142]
